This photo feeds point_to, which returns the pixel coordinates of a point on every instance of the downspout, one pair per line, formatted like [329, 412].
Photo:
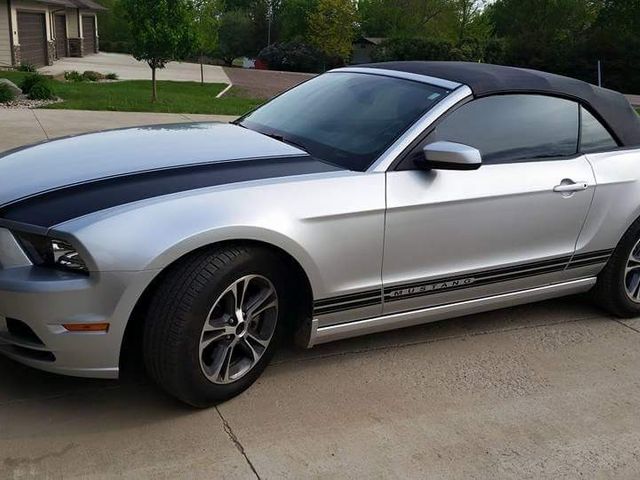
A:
[13, 53]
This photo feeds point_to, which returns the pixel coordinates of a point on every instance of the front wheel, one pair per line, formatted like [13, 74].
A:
[214, 324]
[618, 287]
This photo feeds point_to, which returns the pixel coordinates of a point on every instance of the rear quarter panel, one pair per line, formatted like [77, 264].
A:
[616, 203]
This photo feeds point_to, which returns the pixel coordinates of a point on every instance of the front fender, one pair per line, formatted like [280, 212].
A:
[331, 224]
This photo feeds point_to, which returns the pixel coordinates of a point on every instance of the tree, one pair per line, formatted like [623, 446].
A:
[332, 27]
[206, 25]
[293, 19]
[407, 18]
[236, 35]
[468, 12]
[161, 31]
[263, 15]
[114, 28]
[543, 34]
[613, 39]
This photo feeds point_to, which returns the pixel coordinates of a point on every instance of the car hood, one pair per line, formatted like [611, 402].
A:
[75, 160]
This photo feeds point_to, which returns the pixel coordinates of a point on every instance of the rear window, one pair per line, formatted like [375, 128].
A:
[594, 137]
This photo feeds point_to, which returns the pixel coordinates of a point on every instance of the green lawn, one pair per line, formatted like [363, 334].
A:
[135, 95]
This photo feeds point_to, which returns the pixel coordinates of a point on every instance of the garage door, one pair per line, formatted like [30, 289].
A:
[61, 36]
[89, 33]
[32, 35]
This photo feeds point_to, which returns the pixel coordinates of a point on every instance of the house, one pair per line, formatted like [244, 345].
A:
[38, 32]
[363, 49]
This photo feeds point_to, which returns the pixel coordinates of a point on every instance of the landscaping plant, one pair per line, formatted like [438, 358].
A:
[6, 95]
[41, 91]
[92, 76]
[27, 67]
[30, 80]
[73, 76]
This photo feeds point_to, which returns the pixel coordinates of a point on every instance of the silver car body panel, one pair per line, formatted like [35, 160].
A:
[382, 249]
[445, 226]
[616, 204]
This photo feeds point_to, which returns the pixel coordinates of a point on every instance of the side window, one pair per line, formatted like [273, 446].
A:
[514, 128]
[594, 137]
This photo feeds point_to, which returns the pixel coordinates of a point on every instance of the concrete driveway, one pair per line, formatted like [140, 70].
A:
[542, 391]
[24, 127]
[128, 68]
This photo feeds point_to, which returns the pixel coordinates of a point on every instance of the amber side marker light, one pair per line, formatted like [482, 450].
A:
[87, 327]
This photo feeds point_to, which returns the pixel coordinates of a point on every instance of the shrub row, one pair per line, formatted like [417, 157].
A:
[90, 76]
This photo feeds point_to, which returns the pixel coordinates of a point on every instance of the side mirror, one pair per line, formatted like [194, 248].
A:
[450, 156]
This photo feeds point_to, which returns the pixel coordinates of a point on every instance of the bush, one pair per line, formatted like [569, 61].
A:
[292, 56]
[413, 49]
[406, 49]
[30, 80]
[92, 76]
[111, 76]
[27, 67]
[6, 95]
[73, 76]
[41, 91]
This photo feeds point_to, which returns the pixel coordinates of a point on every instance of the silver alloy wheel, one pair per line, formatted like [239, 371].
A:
[238, 329]
[632, 274]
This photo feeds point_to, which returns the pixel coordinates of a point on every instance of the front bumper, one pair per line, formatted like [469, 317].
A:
[44, 299]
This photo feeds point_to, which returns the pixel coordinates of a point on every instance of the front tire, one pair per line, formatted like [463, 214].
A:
[618, 287]
[214, 323]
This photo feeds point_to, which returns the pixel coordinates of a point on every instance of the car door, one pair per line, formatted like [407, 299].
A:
[511, 225]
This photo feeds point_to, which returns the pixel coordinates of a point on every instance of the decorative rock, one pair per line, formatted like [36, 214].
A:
[23, 102]
[12, 86]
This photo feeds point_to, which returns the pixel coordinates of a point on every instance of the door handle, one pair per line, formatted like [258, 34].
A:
[570, 187]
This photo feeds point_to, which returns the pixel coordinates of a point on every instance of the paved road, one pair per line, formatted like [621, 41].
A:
[128, 68]
[550, 390]
[24, 127]
[634, 100]
[264, 83]
[543, 391]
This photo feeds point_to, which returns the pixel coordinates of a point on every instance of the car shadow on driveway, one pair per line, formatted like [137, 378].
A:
[21, 384]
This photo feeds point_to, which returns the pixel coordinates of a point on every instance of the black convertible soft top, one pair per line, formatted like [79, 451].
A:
[610, 107]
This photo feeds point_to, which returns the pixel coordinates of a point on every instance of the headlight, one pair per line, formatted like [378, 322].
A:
[51, 252]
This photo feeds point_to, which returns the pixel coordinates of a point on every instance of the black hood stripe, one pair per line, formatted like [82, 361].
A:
[60, 205]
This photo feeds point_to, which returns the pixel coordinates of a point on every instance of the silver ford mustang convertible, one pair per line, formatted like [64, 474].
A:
[366, 199]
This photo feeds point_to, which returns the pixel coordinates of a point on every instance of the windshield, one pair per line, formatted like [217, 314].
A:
[347, 119]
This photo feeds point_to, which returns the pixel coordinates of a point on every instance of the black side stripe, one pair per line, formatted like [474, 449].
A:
[57, 206]
[562, 261]
[598, 253]
[460, 282]
[343, 308]
[347, 298]
[348, 302]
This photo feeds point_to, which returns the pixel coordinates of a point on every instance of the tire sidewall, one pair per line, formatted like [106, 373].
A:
[622, 305]
[196, 388]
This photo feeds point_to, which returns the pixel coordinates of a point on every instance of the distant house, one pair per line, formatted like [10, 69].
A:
[39, 32]
[363, 49]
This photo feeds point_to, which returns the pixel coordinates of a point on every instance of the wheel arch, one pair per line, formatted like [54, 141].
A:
[300, 283]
